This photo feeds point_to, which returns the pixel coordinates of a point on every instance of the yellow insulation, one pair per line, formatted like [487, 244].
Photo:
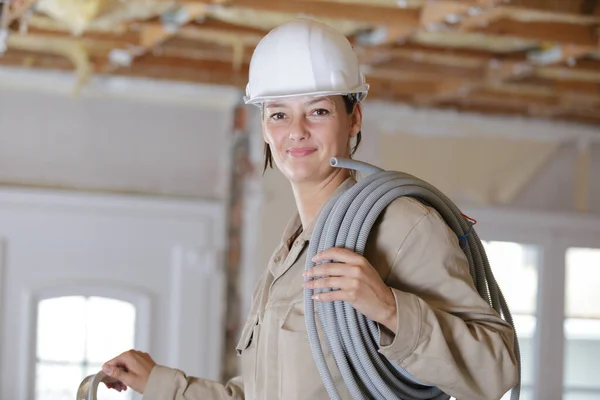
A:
[79, 15]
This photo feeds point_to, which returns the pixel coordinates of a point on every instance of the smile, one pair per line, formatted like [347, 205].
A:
[301, 151]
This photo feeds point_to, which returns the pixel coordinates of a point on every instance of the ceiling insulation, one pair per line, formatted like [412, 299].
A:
[489, 56]
[80, 15]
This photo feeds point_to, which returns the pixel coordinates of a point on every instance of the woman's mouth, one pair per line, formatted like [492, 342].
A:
[301, 151]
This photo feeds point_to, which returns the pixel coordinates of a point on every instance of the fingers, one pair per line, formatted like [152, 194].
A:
[118, 373]
[121, 367]
[123, 360]
[334, 269]
[348, 289]
[332, 282]
[116, 385]
[335, 295]
[132, 369]
[340, 254]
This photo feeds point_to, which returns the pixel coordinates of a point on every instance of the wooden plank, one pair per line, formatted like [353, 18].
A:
[216, 76]
[435, 68]
[437, 12]
[569, 100]
[331, 10]
[380, 56]
[559, 85]
[549, 32]
[467, 53]
[568, 74]
[27, 59]
[378, 3]
[70, 48]
[535, 105]
[528, 14]
[521, 110]
[473, 41]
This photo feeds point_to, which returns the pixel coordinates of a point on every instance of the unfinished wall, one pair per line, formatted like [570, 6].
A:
[554, 186]
[120, 136]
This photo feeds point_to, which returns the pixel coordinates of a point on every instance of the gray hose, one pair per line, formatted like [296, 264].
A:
[346, 221]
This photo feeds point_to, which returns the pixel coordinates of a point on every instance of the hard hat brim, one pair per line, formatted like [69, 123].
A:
[361, 91]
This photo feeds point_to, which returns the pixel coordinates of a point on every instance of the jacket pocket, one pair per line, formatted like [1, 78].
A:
[300, 379]
[247, 348]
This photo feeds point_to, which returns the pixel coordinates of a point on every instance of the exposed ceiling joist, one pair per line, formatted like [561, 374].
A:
[332, 10]
[485, 55]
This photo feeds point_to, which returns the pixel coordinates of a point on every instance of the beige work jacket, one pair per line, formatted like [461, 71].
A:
[448, 335]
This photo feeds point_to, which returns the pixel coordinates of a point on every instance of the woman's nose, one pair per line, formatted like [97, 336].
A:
[298, 130]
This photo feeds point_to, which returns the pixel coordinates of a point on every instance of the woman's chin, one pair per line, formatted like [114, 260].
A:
[301, 173]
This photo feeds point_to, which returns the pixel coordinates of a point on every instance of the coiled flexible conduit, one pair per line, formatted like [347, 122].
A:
[345, 221]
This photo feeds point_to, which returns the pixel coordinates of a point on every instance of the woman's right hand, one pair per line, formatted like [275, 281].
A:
[130, 369]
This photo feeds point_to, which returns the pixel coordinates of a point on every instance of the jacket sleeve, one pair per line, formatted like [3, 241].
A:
[172, 384]
[447, 335]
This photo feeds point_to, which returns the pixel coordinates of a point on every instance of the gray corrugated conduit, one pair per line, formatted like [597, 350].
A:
[346, 221]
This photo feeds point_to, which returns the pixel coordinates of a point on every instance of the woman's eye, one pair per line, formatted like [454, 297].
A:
[277, 116]
[321, 112]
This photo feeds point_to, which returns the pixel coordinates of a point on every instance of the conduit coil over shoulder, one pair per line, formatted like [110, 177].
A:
[345, 221]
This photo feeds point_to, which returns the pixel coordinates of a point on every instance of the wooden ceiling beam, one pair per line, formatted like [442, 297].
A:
[427, 56]
[435, 12]
[333, 10]
[568, 74]
[71, 49]
[538, 108]
[573, 97]
[527, 14]
[567, 86]
[433, 68]
[487, 109]
[535, 101]
[27, 59]
[472, 41]
[378, 3]
[548, 32]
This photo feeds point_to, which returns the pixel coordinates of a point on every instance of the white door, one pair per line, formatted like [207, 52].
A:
[84, 277]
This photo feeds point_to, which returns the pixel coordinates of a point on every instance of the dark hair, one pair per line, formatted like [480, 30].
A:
[349, 102]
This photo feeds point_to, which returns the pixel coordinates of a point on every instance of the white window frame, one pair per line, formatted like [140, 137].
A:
[553, 233]
[138, 298]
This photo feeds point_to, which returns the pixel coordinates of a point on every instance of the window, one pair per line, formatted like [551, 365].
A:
[515, 267]
[582, 324]
[75, 336]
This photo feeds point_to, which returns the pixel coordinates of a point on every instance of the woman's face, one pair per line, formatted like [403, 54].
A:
[305, 132]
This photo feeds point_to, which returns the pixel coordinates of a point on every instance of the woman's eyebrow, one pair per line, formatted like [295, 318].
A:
[318, 100]
[275, 105]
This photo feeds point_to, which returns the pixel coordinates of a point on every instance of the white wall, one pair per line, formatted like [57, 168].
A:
[117, 136]
[163, 256]
[125, 189]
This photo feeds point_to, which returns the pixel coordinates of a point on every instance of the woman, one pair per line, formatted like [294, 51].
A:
[413, 279]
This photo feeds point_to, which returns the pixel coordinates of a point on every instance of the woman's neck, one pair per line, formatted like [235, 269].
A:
[310, 197]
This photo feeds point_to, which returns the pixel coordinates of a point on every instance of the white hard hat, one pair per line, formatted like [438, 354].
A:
[304, 58]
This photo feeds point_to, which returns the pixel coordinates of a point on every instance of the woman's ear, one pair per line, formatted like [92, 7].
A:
[263, 129]
[356, 120]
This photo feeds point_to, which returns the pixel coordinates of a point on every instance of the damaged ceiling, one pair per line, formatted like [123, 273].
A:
[538, 58]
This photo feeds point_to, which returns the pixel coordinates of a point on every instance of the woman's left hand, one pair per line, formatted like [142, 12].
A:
[358, 282]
